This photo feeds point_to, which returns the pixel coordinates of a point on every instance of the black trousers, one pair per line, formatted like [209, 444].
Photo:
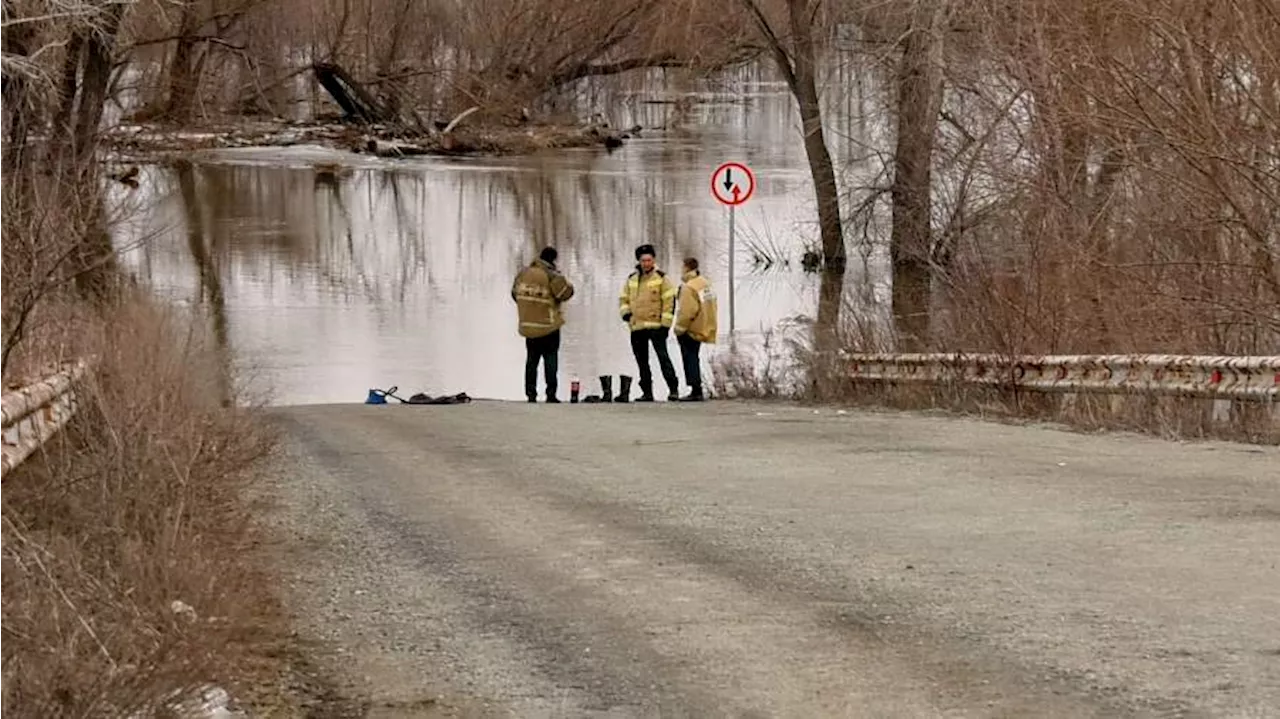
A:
[546, 349]
[640, 341]
[689, 350]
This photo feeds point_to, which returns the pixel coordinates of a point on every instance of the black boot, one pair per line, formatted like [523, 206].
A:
[606, 388]
[646, 393]
[624, 389]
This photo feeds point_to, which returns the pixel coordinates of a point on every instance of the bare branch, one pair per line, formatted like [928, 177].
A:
[780, 53]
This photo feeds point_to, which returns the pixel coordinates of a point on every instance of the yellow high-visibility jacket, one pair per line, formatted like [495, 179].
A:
[538, 291]
[650, 300]
[697, 315]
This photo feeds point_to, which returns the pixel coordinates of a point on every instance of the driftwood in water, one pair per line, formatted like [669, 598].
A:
[384, 148]
[459, 118]
[355, 101]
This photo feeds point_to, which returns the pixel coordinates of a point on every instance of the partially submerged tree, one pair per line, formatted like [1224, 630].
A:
[919, 100]
[54, 212]
[794, 50]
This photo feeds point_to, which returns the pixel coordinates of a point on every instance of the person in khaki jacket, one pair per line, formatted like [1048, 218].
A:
[538, 291]
[648, 305]
[696, 323]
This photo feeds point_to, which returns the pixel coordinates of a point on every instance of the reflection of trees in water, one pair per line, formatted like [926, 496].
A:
[361, 236]
[259, 216]
[407, 192]
[209, 272]
[426, 229]
[596, 216]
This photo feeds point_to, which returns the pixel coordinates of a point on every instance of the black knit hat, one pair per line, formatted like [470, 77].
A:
[645, 250]
[548, 254]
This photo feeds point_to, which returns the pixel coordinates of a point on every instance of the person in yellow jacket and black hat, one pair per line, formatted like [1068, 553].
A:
[696, 323]
[538, 291]
[648, 305]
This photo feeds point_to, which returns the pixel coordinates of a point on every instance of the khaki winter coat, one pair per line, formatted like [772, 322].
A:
[697, 314]
[650, 299]
[539, 290]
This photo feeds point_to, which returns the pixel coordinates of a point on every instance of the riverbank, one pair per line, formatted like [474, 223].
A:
[149, 140]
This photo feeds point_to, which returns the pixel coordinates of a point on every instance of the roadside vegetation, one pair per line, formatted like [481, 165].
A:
[1060, 178]
[128, 571]
[129, 580]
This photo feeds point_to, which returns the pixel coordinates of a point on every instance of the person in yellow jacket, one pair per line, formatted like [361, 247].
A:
[648, 305]
[695, 324]
[538, 291]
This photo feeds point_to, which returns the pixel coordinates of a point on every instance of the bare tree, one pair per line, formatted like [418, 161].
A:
[797, 61]
[919, 99]
[795, 54]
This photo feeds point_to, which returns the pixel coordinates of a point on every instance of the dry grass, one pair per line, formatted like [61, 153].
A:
[127, 576]
[137, 505]
[763, 369]
[1100, 178]
[786, 365]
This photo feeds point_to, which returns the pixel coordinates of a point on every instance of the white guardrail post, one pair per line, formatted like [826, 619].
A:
[34, 413]
[1212, 377]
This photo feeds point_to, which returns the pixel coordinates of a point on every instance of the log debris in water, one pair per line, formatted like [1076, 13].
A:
[387, 148]
[152, 139]
[356, 102]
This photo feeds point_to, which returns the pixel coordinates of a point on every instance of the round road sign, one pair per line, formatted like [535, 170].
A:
[732, 183]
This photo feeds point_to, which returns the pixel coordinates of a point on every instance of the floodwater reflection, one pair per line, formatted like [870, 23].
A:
[328, 282]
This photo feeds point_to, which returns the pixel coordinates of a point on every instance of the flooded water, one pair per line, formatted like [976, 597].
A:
[399, 272]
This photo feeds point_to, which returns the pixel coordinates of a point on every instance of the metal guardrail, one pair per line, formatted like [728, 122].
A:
[34, 413]
[1243, 378]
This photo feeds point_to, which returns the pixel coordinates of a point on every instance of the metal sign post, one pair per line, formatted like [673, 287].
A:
[732, 184]
[732, 253]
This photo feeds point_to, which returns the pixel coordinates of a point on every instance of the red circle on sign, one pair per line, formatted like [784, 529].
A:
[717, 188]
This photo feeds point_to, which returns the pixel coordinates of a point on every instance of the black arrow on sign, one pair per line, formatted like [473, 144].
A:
[728, 179]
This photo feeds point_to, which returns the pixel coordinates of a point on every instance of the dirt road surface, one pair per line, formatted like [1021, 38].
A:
[765, 560]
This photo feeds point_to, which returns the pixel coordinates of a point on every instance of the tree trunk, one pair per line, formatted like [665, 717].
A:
[919, 101]
[95, 267]
[182, 75]
[804, 86]
[830, 301]
[95, 79]
[68, 90]
[805, 89]
[392, 95]
[16, 123]
[356, 102]
[17, 115]
[798, 64]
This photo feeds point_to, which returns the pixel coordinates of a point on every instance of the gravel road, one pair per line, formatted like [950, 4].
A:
[768, 560]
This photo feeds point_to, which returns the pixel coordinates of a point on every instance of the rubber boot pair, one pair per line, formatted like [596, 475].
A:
[624, 389]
